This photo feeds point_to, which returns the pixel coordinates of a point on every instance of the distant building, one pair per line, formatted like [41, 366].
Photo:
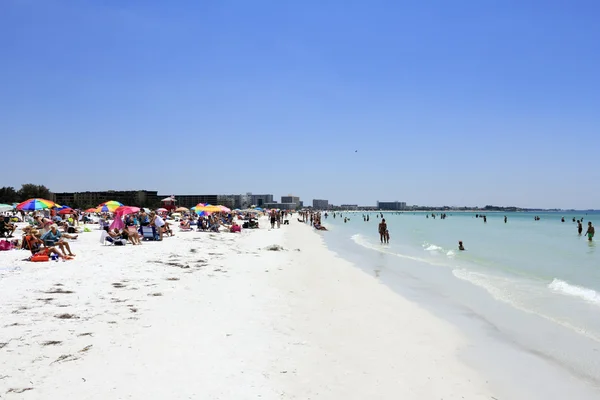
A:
[320, 204]
[191, 200]
[281, 206]
[292, 200]
[349, 206]
[260, 200]
[391, 205]
[140, 198]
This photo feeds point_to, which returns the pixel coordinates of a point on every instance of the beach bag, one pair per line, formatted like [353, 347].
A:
[5, 245]
[39, 257]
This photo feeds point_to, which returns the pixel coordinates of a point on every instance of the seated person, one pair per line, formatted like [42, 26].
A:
[185, 224]
[319, 227]
[167, 229]
[67, 230]
[133, 235]
[235, 227]
[460, 245]
[4, 230]
[36, 246]
[54, 238]
[115, 236]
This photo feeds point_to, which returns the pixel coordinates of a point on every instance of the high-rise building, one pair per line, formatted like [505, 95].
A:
[260, 200]
[320, 204]
[290, 199]
[391, 205]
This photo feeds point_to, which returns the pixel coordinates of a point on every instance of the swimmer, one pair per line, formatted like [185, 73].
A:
[460, 245]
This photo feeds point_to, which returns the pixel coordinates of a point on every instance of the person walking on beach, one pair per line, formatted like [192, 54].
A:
[579, 227]
[382, 231]
[590, 231]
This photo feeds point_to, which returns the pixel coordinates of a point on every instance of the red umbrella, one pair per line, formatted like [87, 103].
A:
[66, 211]
[123, 210]
[90, 210]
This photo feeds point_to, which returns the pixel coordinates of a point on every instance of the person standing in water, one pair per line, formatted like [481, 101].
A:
[505, 219]
[579, 227]
[382, 231]
[590, 231]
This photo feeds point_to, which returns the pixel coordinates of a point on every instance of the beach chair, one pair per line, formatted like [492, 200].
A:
[149, 233]
[104, 238]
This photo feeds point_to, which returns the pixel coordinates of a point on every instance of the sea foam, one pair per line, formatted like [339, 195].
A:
[581, 292]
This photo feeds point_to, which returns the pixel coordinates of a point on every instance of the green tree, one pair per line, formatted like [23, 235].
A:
[8, 195]
[30, 191]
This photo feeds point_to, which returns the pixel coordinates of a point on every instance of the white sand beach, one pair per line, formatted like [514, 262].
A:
[218, 316]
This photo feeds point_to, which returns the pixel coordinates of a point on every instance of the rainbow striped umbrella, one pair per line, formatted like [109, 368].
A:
[35, 204]
[111, 203]
[208, 208]
[108, 206]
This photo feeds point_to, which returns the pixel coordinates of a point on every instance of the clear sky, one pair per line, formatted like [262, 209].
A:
[447, 102]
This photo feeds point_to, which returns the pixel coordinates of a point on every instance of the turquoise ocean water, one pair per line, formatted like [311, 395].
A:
[536, 281]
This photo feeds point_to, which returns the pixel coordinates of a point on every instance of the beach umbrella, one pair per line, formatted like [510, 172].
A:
[258, 209]
[224, 209]
[35, 204]
[199, 205]
[66, 210]
[108, 206]
[161, 210]
[124, 210]
[90, 210]
[209, 208]
[6, 207]
[111, 203]
[182, 209]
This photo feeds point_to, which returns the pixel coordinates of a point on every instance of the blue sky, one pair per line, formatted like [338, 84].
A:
[447, 102]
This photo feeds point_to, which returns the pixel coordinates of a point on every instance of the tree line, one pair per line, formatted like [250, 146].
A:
[9, 194]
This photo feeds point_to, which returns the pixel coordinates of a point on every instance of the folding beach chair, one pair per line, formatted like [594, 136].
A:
[149, 233]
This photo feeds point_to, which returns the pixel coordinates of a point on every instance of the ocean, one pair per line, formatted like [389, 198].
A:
[534, 283]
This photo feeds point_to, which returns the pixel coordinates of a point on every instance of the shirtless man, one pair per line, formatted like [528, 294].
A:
[590, 231]
[382, 231]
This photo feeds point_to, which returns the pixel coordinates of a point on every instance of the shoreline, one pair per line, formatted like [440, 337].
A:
[219, 316]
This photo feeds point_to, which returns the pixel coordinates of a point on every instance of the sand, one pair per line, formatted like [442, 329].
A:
[219, 316]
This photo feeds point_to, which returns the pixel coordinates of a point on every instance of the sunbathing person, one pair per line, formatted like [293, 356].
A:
[132, 235]
[319, 227]
[54, 238]
[185, 224]
[167, 229]
[36, 246]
